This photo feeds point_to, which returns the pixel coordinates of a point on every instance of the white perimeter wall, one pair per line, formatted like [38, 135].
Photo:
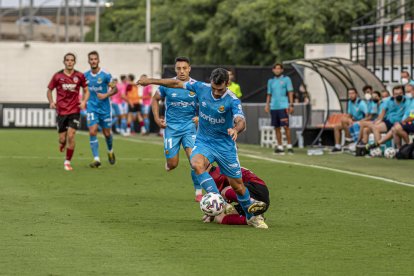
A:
[314, 83]
[25, 71]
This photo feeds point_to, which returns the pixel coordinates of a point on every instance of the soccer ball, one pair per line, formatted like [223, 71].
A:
[376, 152]
[212, 204]
[389, 153]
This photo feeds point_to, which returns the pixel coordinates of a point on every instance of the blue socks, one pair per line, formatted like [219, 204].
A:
[244, 202]
[147, 124]
[207, 183]
[124, 124]
[109, 142]
[197, 186]
[93, 141]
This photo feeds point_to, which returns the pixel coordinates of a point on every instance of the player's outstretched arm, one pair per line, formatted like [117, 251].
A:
[52, 103]
[171, 83]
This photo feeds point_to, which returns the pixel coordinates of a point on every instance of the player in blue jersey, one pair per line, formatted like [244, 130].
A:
[101, 87]
[179, 122]
[221, 119]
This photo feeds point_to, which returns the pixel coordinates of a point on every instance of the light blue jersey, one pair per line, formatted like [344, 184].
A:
[279, 88]
[358, 109]
[395, 111]
[180, 109]
[409, 111]
[383, 104]
[216, 116]
[98, 83]
[373, 109]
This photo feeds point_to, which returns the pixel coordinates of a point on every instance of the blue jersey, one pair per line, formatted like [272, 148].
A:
[373, 109]
[358, 109]
[394, 111]
[98, 83]
[409, 111]
[383, 104]
[180, 109]
[279, 87]
[215, 115]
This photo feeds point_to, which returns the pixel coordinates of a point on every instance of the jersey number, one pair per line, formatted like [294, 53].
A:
[168, 143]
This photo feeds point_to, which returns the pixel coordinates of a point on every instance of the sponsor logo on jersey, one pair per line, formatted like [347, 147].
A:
[191, 94]
[221, 109]
[69, 87]
[212, 120]
[75, 79]
[203, 104]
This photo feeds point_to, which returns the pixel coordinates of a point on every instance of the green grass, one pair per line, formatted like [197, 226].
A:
[135, 219]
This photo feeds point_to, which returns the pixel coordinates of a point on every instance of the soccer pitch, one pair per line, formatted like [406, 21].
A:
[135, 219]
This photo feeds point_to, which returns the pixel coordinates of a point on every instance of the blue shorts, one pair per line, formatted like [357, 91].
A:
[280, 118]
[408, 127]
[388, 124]
[103, 120]
[227, 160]
[172, 142]
[145, 109]
[120, 109]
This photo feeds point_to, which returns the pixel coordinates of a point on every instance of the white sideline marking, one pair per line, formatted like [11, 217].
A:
[328, 169]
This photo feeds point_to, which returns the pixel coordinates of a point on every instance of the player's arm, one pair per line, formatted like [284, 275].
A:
[112, 91]
[52, 103]
[239, 126]
[155, 107]
[290, 95]
[268, 97]
[85, 97]
[171, 83]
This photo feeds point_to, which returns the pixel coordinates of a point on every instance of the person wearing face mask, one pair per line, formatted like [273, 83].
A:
[405, 78]
[392, 112]
[357, 111]
[367, 89]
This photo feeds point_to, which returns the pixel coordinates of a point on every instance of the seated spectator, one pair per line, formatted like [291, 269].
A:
[405, 78]
[391, 113]
[374, 108]
[357, 110]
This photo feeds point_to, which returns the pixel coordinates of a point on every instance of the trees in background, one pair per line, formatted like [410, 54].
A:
[241, 32]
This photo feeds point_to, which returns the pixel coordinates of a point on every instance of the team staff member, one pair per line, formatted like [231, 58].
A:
[280, 103]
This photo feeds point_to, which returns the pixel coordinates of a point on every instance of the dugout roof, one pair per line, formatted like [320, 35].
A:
[341, 74]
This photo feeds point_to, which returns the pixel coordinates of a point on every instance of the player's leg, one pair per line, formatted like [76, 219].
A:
[171, 149]
[337, 135]
[73, 125]
[188, 142]
[145, 110]
[62, 123]
[106, 123]
[403, 130]
[200, 159]
[92, 123]
[276, 124]
[123, 109]
[284, 122]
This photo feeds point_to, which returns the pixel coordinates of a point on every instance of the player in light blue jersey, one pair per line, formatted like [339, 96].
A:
[221, 119]
[98, 109]
[179, 122]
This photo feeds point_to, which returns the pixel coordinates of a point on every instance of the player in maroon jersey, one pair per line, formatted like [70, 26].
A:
[67, 83]
[257, 188]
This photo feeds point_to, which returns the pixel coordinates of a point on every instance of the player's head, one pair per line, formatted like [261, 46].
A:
[131, 77]
[405, 75]
[352, 94]
[398, 92]
[219, 80]
[376, 96]
[385, 94]
[93, 59]
[182, 68]
[69, 60]
[232, 75]
[367, 89]
[123, 78]
[277, 69]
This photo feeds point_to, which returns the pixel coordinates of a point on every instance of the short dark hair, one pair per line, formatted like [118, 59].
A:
[93, 53]
[69, 54]
[277, 64]
[397, 87]
[131, 77]
[122, 77]
[366, 87]
[378, 93]
[353, 89]
[185, 59]
[405, 72]
[219, 76]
